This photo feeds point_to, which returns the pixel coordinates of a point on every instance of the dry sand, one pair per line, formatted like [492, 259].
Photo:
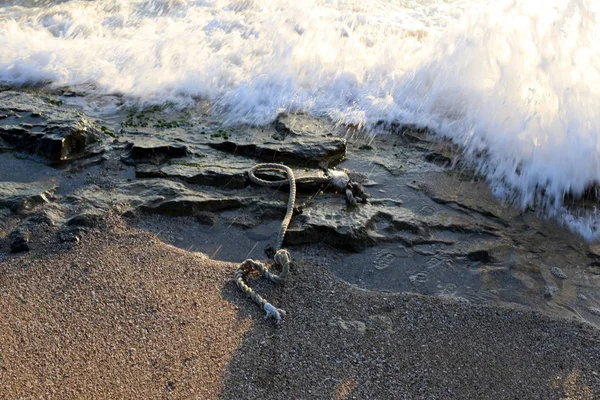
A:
[123, 316]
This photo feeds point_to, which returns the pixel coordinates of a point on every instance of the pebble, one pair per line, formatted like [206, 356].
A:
[550, 291]
[594, 310]
[557, 272]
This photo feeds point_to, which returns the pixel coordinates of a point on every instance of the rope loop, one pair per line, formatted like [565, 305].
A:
[340, 180]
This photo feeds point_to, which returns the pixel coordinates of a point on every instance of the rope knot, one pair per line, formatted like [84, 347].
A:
[274, 312]
[282, 257]
[338, 179]
[355, 193]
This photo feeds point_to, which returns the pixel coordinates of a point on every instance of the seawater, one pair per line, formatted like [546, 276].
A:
[515, 83]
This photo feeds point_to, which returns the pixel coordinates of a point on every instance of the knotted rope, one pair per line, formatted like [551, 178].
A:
[338, 179]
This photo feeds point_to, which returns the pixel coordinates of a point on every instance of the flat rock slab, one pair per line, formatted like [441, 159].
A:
[153, 195]
[19, 197]
[298, 140]
[329, 219]
[38, 124]
[196, 173]
[206, 167]
[155, 149]
[450, 190]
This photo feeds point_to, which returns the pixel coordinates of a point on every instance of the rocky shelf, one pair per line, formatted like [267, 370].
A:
[427, 227]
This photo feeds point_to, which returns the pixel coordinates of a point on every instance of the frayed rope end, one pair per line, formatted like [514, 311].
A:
[273, 312]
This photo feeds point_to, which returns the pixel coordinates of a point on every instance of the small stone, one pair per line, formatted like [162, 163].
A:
[594, 310]
[207, 218]
[358, 326]
[170, 386]
[550, 291]
[19, 240]
[557, 272]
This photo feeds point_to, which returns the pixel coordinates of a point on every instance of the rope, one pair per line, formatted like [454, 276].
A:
[338, 179]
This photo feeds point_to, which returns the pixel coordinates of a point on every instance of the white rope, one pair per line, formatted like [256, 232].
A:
[338, 179]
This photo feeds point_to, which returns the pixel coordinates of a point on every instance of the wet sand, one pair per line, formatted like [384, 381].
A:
[121, 315]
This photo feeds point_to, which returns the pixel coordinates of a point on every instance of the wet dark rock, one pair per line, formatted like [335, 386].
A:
[413, 133]
[155, 150]
[439, 158]
[19, 197]
[223, 175]
[460, 224]
[19, 240]
[480, 256]
[207, 218]
[300, 125]
[90, 218]
[449, 190]
[86, 208]
[37, 124]
[164, 197]
[329, 220]
[299, 140]
[246, 221]
[192, 205]
[305, 152]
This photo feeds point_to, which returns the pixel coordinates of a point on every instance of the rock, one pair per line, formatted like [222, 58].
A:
[330, 220]
[381, 323]
[221, 175]
[550, 291]
[70, 236]
[305, 152]
[460, 224]
[37, 124]
[89, 218]
[173, 198]
[439, 158]
[491, 250]
[557, 272]
[449, 190]
[51, 215]
[207, 218]
[156, 150]
[594, 311]
[19, 240]
[301, 125]
[594, 251]
[299, 140]
[480, 256]
[19, 197]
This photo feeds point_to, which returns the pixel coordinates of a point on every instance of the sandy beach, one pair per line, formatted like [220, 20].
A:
[121, 315]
